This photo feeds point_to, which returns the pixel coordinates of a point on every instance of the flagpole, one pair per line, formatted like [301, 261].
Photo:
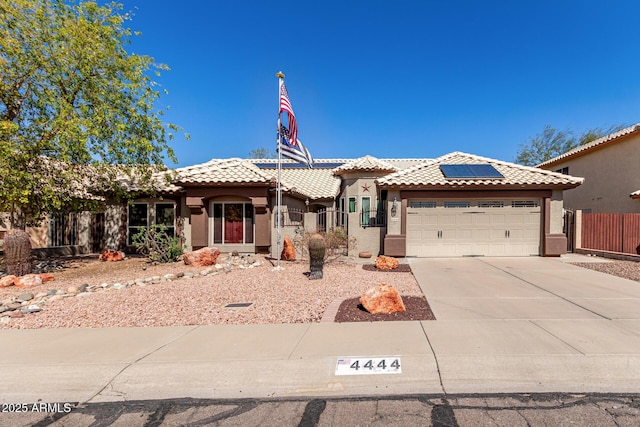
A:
[280, 76]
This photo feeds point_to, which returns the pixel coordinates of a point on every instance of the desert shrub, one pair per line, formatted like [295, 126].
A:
[157, 244]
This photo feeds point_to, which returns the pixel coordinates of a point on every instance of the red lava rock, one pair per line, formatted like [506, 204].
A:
[16, 314]
[288, 250]
[386, 263]
[28, 281]
[202, 257]
[46, 277]
[7, 281]
[382, 299]
[111, 255]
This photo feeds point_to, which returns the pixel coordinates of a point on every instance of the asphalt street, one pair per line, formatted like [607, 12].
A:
[511, 410]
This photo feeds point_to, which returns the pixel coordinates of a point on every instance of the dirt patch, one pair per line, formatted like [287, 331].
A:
[352, 311]
[402, 268]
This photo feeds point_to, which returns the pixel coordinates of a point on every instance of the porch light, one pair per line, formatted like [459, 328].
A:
[306, 202]
[394, 207]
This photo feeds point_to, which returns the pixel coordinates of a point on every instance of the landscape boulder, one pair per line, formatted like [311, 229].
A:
[202, 257]
[28, 281]
[46, 277]
[386, 263]
[111, 255]
[7, 281]
[288, 250]
[382, 299]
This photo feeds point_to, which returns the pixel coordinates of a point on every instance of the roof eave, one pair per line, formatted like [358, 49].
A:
[497, 187]
[564, 157]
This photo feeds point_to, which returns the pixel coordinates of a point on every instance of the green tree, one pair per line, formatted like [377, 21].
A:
[73, 101]
[551, 143]
[261, 153]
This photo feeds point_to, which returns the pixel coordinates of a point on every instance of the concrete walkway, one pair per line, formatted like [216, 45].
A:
[504, 325]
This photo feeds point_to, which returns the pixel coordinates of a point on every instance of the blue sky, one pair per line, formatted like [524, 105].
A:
[390, 79]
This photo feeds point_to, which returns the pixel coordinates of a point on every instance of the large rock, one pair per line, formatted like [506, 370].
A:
[46, 277]
[202, 257]
[28, 281]
[7, 281]
[111, 255]
[288, 250]
[382, 299]
[386, 263]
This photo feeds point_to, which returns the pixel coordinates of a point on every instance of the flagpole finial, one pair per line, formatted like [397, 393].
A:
[280, 75]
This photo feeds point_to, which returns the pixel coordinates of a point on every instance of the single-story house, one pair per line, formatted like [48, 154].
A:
[610, 167]
[455, 205]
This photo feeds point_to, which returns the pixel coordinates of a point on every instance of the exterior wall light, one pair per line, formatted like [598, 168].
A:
[394, 207]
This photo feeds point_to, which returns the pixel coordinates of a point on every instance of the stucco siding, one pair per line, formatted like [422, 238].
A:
[611, 174]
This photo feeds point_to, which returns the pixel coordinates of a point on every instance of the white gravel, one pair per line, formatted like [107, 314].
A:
[285, 296]
[625, 269]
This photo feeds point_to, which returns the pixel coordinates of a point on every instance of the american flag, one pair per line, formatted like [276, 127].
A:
[297, 152]
[285, 105]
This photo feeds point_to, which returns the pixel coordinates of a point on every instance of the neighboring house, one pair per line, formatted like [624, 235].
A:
[610, 167]
[456, 205]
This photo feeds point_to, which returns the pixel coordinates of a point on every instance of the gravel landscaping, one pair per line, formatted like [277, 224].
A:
[625, 269]
[156, 295]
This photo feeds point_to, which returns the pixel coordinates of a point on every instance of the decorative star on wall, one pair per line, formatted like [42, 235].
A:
[366, 187]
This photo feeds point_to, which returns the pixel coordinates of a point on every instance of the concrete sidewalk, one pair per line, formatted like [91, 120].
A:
[504, 325]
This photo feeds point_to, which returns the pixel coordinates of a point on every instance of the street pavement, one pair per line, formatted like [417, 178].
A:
[506, 326]
[517, 410]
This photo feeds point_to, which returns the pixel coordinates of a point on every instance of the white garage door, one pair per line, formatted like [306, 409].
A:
[504, 227]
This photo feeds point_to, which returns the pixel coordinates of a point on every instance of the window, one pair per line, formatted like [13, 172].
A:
[456, 204]
[63, 230]
[232, 223]
[142, 215]
[564, 170]
[490, 204]
[166, 215]
[366, 210]
[524, 204]
[138, 218]
[352, 204]
[421, 204]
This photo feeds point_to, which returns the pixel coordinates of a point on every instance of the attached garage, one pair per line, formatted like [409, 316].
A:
[459, 227]
[466, 205]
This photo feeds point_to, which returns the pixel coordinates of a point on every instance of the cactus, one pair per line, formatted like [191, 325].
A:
[316, 256]
[17, 252]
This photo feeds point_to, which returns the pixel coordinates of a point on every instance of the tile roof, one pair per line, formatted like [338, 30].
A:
[611, 138]
[222, 171]
[366, 163]
[314, 183]
[429, 174]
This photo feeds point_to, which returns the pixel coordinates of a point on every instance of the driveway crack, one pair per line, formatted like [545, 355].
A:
[435, 357]
[110, 383]
[558, 338]
[545, 290]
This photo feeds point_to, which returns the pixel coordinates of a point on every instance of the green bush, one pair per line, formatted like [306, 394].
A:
[156, 243]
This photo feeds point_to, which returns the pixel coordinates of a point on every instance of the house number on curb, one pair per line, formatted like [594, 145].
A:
[368, 365]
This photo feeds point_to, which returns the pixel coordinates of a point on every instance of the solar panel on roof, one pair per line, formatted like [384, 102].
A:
[470, 171]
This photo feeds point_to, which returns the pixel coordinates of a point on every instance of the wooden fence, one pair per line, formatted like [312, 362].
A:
[614, 232]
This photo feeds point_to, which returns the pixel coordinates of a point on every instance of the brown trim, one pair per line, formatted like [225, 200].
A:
[395, 245]
[424, 194]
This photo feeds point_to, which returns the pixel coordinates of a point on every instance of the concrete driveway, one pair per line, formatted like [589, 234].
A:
[523, 289]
